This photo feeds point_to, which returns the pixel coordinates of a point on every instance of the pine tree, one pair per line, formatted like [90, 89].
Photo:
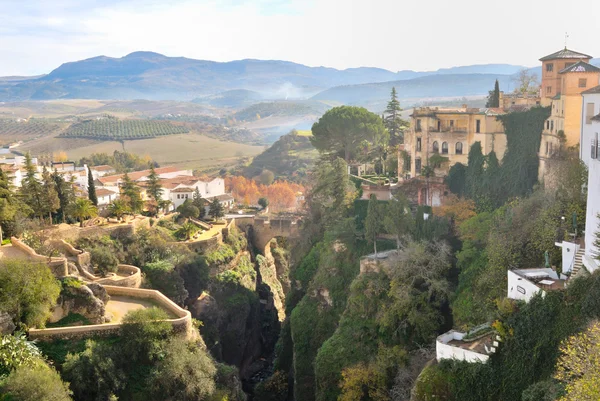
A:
[199, 202]
[66, 195]
[9, 205]
[393, 121]
[92, 188]
[49, 200]
[216, 209]
[131, 194]
[153, 186]
[31, 190]
[493, 99]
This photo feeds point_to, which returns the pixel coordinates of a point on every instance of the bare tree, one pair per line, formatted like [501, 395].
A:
[526, 82]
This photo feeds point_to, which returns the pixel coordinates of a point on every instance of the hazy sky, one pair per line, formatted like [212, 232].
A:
[36, 36]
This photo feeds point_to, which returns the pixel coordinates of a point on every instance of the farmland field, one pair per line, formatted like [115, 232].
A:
[112, 129]
[12, 130]
[192, 150]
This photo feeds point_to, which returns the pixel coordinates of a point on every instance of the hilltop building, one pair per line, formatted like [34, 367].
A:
[566, 74]
[449, 132]
[590, 125]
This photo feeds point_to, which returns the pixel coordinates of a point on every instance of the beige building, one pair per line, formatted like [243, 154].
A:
[563, 128]
[449, 132]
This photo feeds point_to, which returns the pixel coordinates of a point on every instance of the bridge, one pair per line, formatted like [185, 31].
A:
[264, 228]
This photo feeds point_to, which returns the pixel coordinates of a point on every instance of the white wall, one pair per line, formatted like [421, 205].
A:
[445, 351]
[569, 250]
[588, 131]
[520, 288]
[215, 188]
[593, 207]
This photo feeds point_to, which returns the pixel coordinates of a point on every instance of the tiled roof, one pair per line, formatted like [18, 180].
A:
[565, 54]
[595, 89]
[104, 167]
[222, 198]
[580, 66]
[136, 175]
[183, 190]
[104, 192]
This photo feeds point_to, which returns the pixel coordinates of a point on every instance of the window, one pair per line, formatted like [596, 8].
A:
[552, 126]
[547, 124]
[451, 123]
[418, 144]
[436, 147]
[418, 125]
[521, 289]
[551, 152]
[583, 82]
[477, 126]
[589, 112]
[444, 148]
[439, 125]
[549, 67]
[595, 147]
[548, 90]
[459, 148]
[178, 196]
[546, 148]
[418, 166]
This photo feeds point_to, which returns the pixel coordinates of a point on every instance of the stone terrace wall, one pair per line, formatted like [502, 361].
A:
[181, 325]
[58, 266]
[132, 277]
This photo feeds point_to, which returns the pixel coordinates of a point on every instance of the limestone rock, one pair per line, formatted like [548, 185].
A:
[99, 292]
[72, 268]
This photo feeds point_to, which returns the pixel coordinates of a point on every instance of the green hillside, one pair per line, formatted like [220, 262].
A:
[112, 129]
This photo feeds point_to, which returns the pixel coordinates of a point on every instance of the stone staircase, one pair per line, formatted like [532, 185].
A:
[578, 268]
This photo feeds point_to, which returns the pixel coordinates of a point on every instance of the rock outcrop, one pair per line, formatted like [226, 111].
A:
[86, 300]
[6, 323]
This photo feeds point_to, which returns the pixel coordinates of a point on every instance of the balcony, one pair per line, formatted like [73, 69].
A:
[453, 130]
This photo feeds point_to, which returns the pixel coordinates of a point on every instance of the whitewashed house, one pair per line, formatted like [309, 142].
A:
[456, 345]
[524, 284]
[106, 196]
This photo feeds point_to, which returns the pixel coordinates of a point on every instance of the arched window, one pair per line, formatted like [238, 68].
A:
[459, 148]
[444, 148]
[436, 147]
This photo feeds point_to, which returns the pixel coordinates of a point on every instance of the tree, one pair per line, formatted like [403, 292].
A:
[66, 195]
[493, 99]
[153, 186]
[579, 365]
[131, 194]
[164, 278]
[118, 208]
[363, 382]
[341, 130]
[83, 209]
[16, 351]
[32, 191]
[35, 383]
[92, 188]
[393, 120]
[263, 202]
[456, 179]
[374, 222]
[50, 202]
[27, 291]
[199, 202]
[474, 171]
[144, 332]
[186, 373]
[104, 260]
[398, 220]
[216, 209]
[187, 210]
[526, 82]
[187, 230]
[9, 205]
[266, 177]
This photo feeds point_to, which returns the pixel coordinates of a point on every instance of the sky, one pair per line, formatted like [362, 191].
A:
[37, 36]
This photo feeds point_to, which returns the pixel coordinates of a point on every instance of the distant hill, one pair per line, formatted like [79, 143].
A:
[152, 76]
[281, 109]
[443, 85]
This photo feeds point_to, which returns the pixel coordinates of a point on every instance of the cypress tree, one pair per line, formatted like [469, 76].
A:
[393, 121]
[132, 195]
[92, 188]
[474, 171]
[494, 96]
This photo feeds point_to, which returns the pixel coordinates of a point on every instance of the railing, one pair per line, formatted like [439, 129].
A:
[456, 130]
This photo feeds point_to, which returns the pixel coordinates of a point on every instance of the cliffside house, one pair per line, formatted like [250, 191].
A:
[523, 284]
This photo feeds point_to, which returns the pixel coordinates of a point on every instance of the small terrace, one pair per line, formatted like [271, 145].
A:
[474, 346]
[523, 284]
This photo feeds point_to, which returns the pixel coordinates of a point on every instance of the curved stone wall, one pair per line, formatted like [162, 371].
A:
[182, 324]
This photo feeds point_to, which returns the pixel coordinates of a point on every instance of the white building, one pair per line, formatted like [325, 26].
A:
[106, 196]
[523, 284]
[454, 345]
[592, 221]
[590, 127]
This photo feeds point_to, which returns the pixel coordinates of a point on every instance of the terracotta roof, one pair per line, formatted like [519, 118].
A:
[184, 190]
[580, 66]
[136, 175]
[104, 167]
[565, 54]
[104, 192]
[222, 198]
[595, 89]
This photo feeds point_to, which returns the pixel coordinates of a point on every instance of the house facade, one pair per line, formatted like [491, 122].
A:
[592, 222]
[590, 126]
[450, 133]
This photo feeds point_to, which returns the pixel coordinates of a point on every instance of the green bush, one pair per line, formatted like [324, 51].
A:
[104, 260]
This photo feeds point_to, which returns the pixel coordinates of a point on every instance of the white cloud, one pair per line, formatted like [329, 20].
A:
[37, 36]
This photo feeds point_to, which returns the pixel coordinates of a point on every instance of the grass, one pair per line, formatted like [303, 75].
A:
[186, 150]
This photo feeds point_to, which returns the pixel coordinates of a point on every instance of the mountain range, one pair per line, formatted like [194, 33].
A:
[153, 76]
